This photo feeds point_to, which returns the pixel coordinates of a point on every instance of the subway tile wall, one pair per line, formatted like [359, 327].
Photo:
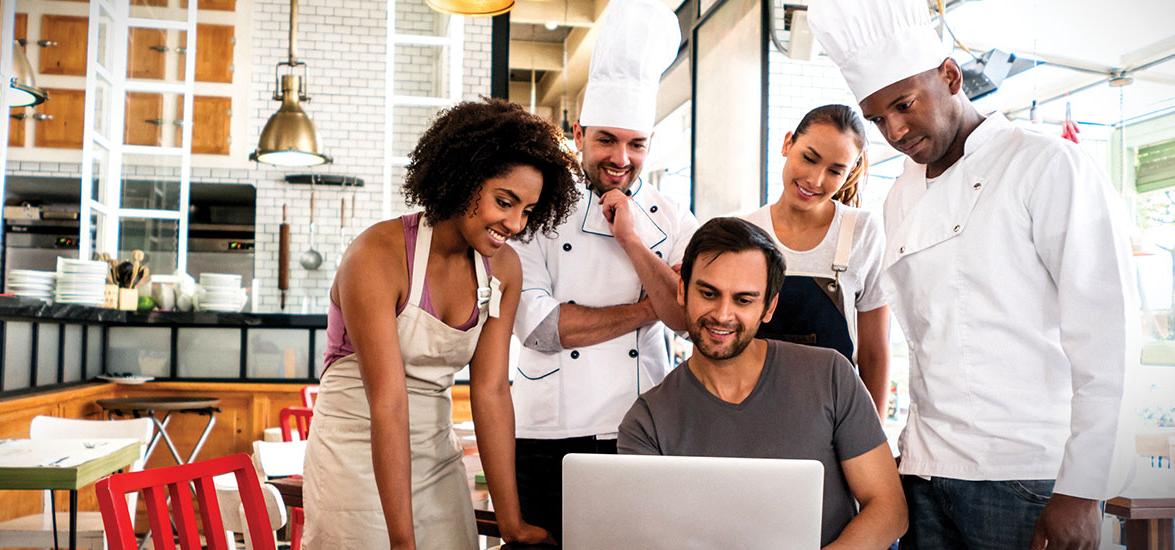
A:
[344, 45]
[794, 88]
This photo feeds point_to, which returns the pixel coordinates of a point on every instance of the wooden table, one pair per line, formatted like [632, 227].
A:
[487, 522]
[1148, 521]
[62, 464]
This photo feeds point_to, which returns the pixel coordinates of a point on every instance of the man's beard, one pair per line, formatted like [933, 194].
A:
[741, 340]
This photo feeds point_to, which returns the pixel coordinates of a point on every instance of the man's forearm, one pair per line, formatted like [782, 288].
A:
[586, 326]
[659, 281]
[879, 524]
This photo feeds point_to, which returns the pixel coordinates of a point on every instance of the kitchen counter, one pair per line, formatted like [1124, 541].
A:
[15, 308]
[47, 346]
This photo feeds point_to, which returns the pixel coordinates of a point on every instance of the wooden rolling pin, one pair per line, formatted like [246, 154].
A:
[283, 256]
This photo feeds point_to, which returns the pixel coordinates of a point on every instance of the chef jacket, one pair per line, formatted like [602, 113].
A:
[585, 391]
[1010, 275]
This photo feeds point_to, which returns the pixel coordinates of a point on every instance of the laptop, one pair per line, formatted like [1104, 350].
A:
[677, 503]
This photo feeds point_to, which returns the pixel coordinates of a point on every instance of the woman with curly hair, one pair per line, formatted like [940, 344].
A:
[415, 300]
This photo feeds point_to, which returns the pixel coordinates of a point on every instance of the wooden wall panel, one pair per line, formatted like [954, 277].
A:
[246, 410]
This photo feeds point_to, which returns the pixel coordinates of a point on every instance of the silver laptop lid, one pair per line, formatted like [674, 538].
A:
[676, 503]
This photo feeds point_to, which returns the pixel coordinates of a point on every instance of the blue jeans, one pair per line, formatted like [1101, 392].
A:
[952, 513]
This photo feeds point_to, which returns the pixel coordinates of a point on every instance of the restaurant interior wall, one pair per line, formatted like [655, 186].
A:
[344, 44]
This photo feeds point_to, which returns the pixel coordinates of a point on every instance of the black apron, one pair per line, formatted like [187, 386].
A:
[811, 310]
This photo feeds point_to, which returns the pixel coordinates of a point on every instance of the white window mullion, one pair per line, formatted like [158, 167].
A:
[186, 140]
[149, 213]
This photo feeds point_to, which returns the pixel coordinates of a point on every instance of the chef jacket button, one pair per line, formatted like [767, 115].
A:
[572, 302]
[632, 353]
[658, 253]
[575, 354]
[567, 247]
[957, 228]
[902, 250]
[653, 209]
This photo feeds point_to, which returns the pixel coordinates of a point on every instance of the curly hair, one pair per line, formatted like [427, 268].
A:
[474, 141]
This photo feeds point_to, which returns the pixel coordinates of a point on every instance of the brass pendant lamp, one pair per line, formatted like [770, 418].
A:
[289, 138]
[472, 7]
[23, 87]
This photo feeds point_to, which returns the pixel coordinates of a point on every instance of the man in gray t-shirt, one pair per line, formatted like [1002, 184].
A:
[739, 396]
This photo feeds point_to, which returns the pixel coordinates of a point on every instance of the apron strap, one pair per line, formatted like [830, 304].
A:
[420, 261]
[844, 242]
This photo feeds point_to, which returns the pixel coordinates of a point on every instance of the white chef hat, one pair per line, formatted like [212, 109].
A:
[638, 40]
[877, 42]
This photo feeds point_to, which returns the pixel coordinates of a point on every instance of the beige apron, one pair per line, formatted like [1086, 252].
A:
[342, 504]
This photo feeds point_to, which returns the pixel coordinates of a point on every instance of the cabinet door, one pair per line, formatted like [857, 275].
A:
[16, 126]
[21, 26]
[211, 124]
[214, 53]
[156, 3]
[67, 53]
[147, 53]
[64, 130]
[218, 5]
[144, 114]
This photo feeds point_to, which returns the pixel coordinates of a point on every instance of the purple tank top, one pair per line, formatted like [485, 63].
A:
[338, 344]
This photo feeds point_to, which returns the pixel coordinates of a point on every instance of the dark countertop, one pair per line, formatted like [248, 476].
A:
[16, 309]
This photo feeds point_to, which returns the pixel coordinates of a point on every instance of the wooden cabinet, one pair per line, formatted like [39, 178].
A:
[217, 5]
[144, 119]
[64, 130]
[16, 126]
[21, 26]
[65, 52]
[211, 124]
[146, 53]
[214, 53]
[16, 130]
[156, 3]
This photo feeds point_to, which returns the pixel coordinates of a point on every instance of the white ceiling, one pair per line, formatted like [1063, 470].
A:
[1092, 34]
[1102, 32]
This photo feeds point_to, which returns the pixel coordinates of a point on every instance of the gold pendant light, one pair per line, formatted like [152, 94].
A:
[471, 7]
[23, 88]
[289, 138]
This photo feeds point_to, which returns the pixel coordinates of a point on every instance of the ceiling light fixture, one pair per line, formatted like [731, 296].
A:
[289, 138]
[1120, 79]
[474, 8]
[24, 91]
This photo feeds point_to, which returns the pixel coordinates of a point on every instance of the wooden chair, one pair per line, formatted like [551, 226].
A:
[36, 531]
[157, 484]
[283, 459]
[301, 417]
[309, 395]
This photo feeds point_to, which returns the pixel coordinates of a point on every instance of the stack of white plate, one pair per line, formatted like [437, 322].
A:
[31, 284]
[220, 292]
[81, 282]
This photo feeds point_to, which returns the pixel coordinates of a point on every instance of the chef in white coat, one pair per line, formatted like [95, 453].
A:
[1008, 266]
[596, 299]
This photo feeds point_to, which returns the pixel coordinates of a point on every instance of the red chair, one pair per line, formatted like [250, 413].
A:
[159, 483]
[309, 394]
[301, 417]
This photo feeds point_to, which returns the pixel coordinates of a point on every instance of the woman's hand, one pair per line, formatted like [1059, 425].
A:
[526, 533]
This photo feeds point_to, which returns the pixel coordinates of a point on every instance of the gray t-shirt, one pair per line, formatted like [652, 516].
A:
[808, 404]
